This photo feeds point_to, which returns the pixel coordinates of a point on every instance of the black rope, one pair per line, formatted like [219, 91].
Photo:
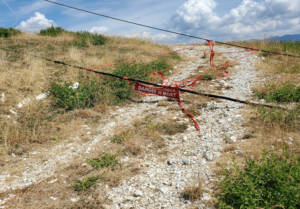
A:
[158, 85]
[168, 31]
[58, 62]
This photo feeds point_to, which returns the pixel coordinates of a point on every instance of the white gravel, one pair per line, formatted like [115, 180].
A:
[190, 154]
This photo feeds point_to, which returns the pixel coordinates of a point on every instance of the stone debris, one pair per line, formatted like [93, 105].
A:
[189, 154]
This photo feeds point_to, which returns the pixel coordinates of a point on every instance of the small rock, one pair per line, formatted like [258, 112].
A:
[232, 139]
[163, 190]
[74, 199]
[205, 197]
[53, 198]
[185, 161]
[137, 193]
[208, 155]
[169, 162]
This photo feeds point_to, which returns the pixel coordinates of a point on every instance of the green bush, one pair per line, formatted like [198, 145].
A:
[286, 93]
[84, 184]
[52, 31]
[8, 32]
[120, 90]
[270, 182]
[105, 160]
[119, 139]
[69, 98]
[83, 38]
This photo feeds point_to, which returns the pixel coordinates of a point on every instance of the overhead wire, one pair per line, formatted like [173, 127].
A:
[168, 31]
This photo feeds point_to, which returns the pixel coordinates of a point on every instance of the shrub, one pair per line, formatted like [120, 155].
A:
[85, 183]
[52, 31]
[270, 182]
[69, 98]
[106, 160]
[286, 93]
[119, 138]
[8, 32]
[84, 37]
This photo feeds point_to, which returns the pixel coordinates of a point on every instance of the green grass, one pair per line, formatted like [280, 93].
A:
[84, 184]
[52, 31]
[208, 77]
[83, 38]
[286, 119]
[270, 182]
[119, 91]
[105, 160]
[85, 96]
[119, 139]
[280, 94]
[8, 32]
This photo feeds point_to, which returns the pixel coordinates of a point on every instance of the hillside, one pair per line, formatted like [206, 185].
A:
[71, 139]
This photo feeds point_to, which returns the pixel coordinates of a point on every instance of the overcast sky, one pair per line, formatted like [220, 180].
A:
[214, 19]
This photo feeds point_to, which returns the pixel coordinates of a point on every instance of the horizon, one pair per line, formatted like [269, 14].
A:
[212, 19]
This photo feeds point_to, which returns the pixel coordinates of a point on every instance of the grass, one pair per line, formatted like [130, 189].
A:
[84, 38]
[34, 76]
[70, 98]
[193, 193]
[287, 92]
[52, 31]
[85, 183]
[286, 119]
[105, 160]
[272, 181]
[120, 138]
[8, 32]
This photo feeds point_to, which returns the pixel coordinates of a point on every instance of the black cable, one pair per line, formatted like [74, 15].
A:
[158, 85]
[152, 84]
[167, 31]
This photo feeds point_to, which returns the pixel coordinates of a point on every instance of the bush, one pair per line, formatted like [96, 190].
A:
[270, 182]
[84, 37]
[8, 32]
[120, 90]
[286, 93]
[52, 31]
[85, 183]
[105, 160]
[69, 98]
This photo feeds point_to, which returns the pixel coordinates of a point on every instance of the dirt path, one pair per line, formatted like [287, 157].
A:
[189, 155]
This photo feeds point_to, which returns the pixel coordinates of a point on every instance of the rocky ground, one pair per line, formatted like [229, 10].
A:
[188, 156]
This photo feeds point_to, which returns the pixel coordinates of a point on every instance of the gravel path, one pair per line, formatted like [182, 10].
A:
[190, 154]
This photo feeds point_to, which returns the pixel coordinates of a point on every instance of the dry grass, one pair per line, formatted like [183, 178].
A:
[23, 76]
[194, 192]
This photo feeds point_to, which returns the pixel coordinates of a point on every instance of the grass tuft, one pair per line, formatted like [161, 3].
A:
[83, 38]
[84, 184]
[270, 181]
[68, 97]
[285, 93]
[105, 160]
[8, 32]
[193, 193]
[52, 31]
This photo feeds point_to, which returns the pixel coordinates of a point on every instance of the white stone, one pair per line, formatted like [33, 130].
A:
[137, 193]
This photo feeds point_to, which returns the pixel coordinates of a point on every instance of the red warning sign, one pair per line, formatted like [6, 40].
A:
[165, 91]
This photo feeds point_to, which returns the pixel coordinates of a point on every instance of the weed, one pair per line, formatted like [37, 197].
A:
[270, 181]
[119, 139]
[285, 93]
[69, 98]
[106, 160]
[84, 184]
[193, 193]
[8, 32]
[83, 38]
[52, 31]
[207, 77]
[171, 128]
[288, 119]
